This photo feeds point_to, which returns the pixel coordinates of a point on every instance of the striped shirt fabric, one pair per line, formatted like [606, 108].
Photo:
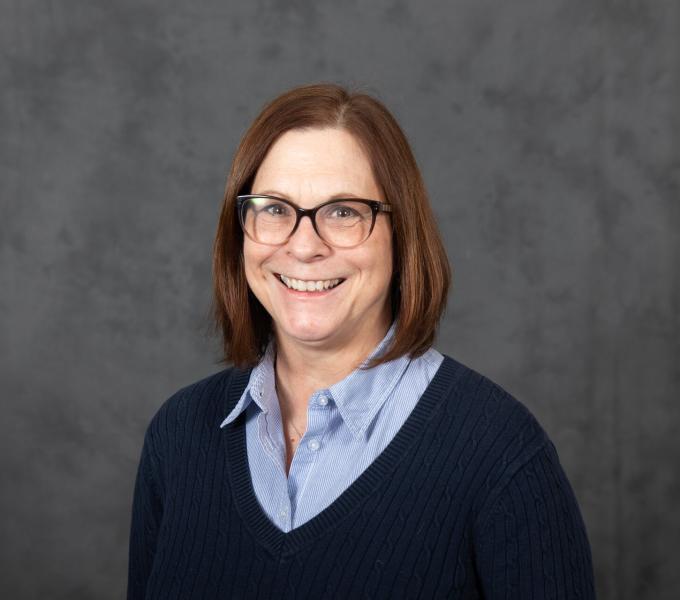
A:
[348, 425]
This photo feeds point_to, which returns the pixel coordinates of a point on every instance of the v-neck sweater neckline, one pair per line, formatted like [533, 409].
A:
[254, 517]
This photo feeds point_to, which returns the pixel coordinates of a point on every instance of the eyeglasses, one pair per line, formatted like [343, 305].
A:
[342, 223]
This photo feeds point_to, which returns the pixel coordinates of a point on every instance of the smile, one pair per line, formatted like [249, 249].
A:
[301, 285]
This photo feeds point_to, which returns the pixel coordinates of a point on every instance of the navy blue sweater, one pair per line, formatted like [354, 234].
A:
[467, 501]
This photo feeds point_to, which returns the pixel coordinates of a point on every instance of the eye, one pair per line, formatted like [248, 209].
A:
[275, 209]
[342, 212]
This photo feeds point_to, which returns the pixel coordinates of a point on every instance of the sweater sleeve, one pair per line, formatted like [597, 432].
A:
[147, 510]
[532, 542]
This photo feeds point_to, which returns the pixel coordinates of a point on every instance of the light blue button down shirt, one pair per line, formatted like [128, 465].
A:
[348, 425]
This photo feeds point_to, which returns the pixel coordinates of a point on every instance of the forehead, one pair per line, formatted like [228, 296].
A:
[316, 163]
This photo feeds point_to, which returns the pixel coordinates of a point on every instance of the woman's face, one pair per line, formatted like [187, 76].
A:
[308, 167]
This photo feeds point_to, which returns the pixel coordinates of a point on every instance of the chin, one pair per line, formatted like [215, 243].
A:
[308, 331]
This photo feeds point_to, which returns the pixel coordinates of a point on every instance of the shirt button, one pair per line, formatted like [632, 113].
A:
[313, 444]
[283, 513]
[323, 400]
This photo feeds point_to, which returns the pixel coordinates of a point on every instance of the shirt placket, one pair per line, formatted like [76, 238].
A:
[270, 434]
[307, 455]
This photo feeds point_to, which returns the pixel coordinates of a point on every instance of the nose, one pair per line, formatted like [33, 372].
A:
[305, 244]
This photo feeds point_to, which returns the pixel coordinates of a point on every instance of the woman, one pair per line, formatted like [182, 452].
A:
[343, 456]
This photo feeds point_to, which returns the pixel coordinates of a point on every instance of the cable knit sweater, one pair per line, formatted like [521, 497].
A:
[468, 500]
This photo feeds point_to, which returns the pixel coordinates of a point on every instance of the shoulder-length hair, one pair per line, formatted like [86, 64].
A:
[421, 271]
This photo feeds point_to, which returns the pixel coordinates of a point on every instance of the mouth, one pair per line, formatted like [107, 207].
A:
[318, 286]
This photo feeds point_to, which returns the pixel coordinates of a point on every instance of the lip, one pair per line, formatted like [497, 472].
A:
[299, 294]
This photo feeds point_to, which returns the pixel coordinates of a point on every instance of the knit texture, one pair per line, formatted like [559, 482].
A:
[468, 500]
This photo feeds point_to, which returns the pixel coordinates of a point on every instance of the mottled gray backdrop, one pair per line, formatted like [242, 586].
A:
[548, 132]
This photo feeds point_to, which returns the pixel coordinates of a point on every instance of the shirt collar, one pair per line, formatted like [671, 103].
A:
[359, 396]
[260, 389]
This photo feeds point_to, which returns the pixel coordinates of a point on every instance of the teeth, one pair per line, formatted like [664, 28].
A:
[309, 286]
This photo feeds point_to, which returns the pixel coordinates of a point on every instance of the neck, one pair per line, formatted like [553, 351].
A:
[302, 369]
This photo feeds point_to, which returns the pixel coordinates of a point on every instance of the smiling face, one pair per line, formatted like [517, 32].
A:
[308, 167]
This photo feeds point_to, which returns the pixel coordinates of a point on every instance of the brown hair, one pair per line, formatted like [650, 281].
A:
[421, 272]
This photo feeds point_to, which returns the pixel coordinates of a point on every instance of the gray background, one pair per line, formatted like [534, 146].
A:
[548, 135]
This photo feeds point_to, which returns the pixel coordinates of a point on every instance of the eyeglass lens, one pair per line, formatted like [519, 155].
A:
[271, 221]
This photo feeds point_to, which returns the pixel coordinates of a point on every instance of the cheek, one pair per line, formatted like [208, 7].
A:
[248, 261]
[376, 267]
[252, 262]
[382, 256]
[253, 258]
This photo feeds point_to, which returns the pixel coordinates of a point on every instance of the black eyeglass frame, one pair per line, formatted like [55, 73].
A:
[375, 205]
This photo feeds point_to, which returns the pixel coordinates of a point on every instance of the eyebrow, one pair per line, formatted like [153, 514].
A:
[286, 197]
